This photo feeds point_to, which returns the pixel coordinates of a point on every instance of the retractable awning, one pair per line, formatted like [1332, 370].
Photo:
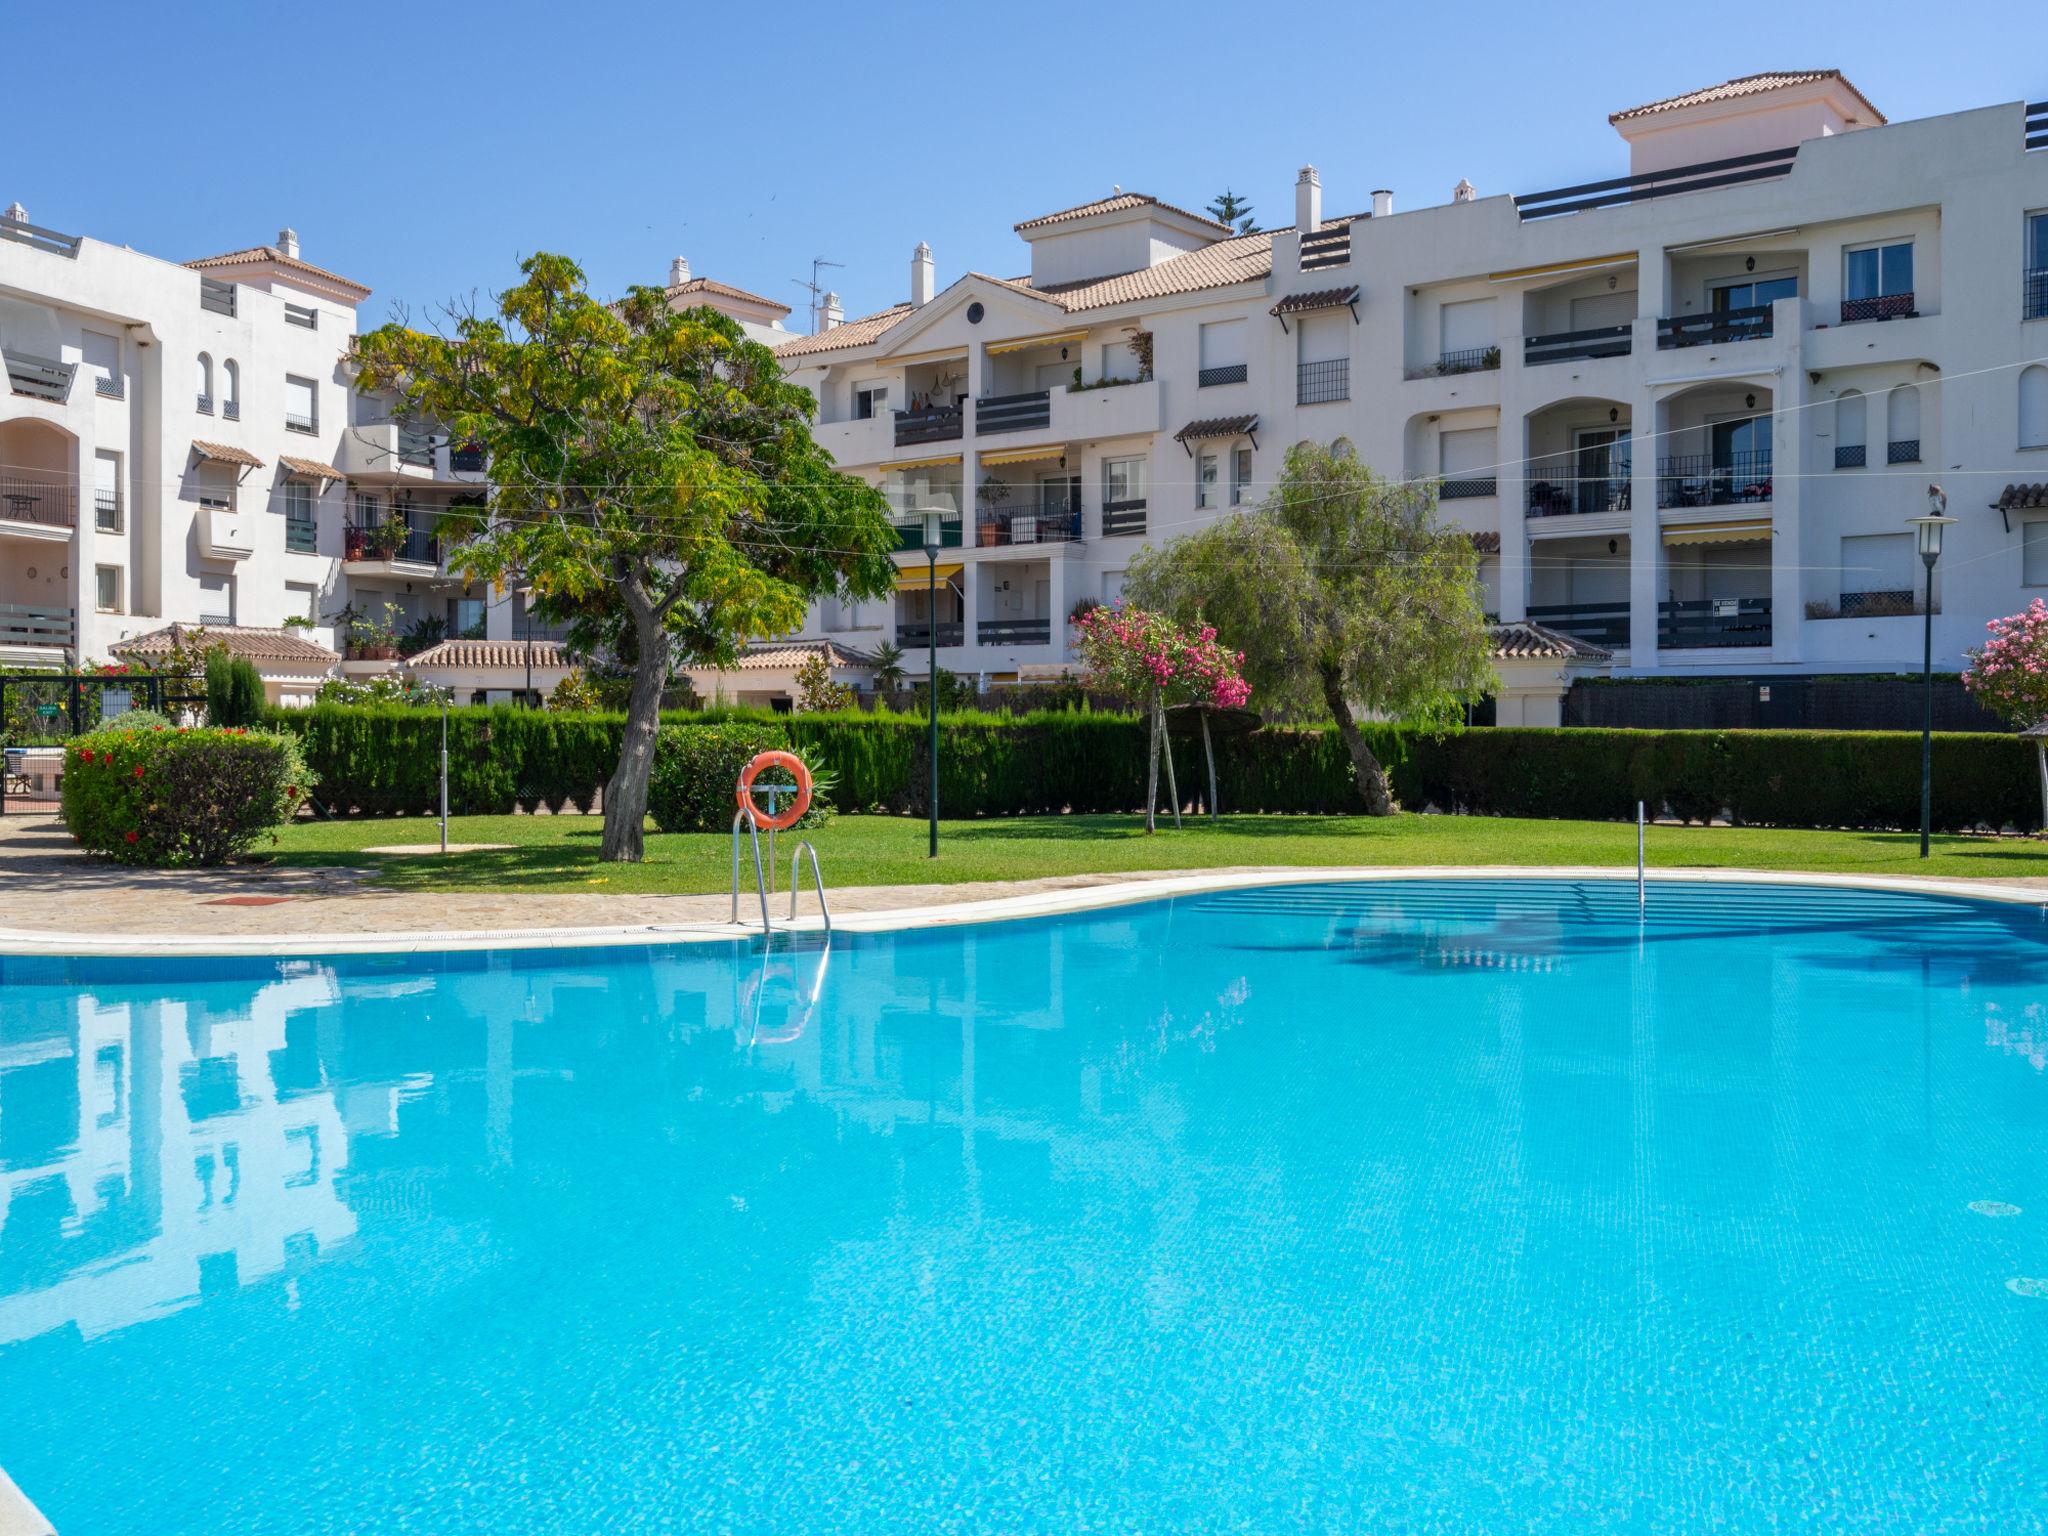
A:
[918, 578]
[1557, 268]
[1755, 530]
[934, 463]
[1025, 345]
[1025, 455]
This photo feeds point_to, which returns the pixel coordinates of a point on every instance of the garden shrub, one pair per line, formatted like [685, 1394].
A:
[180, 797]
[234, 690]
[696, 768]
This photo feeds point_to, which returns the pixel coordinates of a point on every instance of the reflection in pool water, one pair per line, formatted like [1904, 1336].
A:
[1326, 1207]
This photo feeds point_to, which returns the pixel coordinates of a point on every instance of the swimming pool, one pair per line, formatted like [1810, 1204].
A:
[1409, 1205]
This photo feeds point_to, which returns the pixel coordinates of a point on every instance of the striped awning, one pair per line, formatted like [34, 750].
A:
[1064, 338]
[1753, 530]
[918, 578]
[932, 463]
[1036, 455]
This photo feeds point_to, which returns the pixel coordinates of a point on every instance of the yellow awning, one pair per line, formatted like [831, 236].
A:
[1036, 341]
[918, 578]
[1755, 530]
[1025, 455]
[944, 458]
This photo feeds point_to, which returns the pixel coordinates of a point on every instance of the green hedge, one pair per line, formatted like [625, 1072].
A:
[382, 761]
[179, 797]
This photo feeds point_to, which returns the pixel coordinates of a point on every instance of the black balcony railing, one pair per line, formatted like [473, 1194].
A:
[1888, 306]
[910, 536]
[106, 511]
[1891, 604]
[1321, 383]
[1123, 517]
[1668, 183]
[394, 539]
[1014, 631]
[1326, 248]
[1602, 624]
[1714, 480]
[1466, 489]
[1013, 413]
[1709, 622]
[1573, 346]
[231, 410]
[1563, 484]
[1902, 450]
[915, 634]
[1052, 525]
[467, 460]
[1849, 456]
[2034, 294]
[1467, 360]
[1229, 373]
[50, 501]
[940, 424]
[2036, 125]
[1715, 329]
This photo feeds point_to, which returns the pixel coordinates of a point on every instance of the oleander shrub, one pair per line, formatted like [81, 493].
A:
[171, 797]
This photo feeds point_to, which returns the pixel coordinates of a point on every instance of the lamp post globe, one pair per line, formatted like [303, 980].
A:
[1927, 530]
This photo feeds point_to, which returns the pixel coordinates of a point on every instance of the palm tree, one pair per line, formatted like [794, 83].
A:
[889, 673]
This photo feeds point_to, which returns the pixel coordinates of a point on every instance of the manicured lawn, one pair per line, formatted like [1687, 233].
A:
[560, 852]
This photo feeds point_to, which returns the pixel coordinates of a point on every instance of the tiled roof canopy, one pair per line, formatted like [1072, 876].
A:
[255, 644]
[226, 453]
[1744, 85]
[1523, 640]
[1121, 202]
[1321, 298]
[1217, 426]
[851, 333]
[712, 285]
[774, 655]
[312, 467]
[1486, 541]
[2016, 498]
[492, 653]
[252, 255]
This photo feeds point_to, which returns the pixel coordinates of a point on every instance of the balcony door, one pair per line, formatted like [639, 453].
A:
[1600, 461]
[1753, 292]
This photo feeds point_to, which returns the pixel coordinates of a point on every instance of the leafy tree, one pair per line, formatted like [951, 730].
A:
[1235, 211]
[1344, 592]
[653, 479]
[234, 690]
[816, 692]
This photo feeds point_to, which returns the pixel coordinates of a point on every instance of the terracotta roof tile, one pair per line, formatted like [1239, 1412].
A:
[712, 285]
[226, 453]
[255, 644]
[256, 255]
[1486, 541]
[1744, 85]
[492, 653]
[312, 467]
[1524, 640]
[2018, 498]
[1120, 203]
[791, 653]
[1217, 426]
[849, 333]
[1321, 298]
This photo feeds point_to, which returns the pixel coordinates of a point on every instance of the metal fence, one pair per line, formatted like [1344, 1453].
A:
[41, 711]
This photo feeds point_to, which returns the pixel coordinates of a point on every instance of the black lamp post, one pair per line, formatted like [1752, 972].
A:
[934, 530]
[1928, 528]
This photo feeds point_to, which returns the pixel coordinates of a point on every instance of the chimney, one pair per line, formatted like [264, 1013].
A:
[1382, 203]
[923, 276]
[288, 244]
[830, 313]
[1464, 192]
[678, 271]
[17, 213]
[1308, 201]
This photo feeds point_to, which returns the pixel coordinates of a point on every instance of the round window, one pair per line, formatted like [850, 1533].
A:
[975, 312]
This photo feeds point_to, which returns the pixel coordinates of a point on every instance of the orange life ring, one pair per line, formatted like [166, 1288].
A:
[790, 814]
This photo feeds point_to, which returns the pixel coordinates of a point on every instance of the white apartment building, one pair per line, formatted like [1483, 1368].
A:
[1684, 412]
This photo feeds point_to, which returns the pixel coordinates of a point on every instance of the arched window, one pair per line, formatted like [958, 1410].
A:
[1849, 430]
[230, 390]
[2034, 407]
[205, 383]
[1902, 426]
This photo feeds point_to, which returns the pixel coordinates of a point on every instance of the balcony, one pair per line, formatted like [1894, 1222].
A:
[1013, 413]
[2034, 294]
[40, 378]
[389, 544]
[21, 625]
[1014, 631]
[1623, 190]
[1719, 328]
[1322, 383]
[1461, 360]
[1707, 480]
[910, 536]
[1561, 486]
[310, 425]
[34, 236]
[43, 501]
[1888, 306]
[384, 451]
[1577, 346]
[1601, 624]
[1002, 529]
[1468, 489]
[915, 634]
[225, 531]
[1122, 518]
[1712, 622]
[466, 460]
[1227, 373]
[939, 424]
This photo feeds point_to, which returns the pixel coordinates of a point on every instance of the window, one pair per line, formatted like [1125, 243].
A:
[2034, 407]
[1118, 360]
[106, 492]
[1902, 426]
[1467, 332]
[231, 390]
[107, 588]
[1468, 462]
[1752, 292]
[301, 404]
[1877, 574]
[217, 600]
[301, 530]
[101, 355]
[1323, 359]
[1123, 483]
[1849, 430]
[1205, 478]
[215, 485]
[302, 601]
[1877, 281]
[1222, 353]
[1240, 476]
[2034, 553]
[2034, 279]
[205, 381]
[869, 401]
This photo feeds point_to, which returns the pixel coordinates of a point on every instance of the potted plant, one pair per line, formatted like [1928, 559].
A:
[374, 639]
[991, 494]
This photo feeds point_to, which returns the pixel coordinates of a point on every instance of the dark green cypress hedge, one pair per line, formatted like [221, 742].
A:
[384, 760]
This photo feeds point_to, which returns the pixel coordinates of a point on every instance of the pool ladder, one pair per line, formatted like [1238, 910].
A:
[761, 877]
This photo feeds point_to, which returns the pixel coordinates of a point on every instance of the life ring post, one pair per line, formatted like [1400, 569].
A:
[773, 820]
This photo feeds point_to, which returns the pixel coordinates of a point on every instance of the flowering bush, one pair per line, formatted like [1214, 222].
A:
[1141, 655]
[2008, 673]
[164, 796]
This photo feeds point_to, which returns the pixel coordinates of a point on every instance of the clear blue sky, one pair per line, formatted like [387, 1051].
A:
[424, 148]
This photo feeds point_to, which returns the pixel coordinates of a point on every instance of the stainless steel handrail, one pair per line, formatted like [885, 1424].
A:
[760, 879]
[796, 855]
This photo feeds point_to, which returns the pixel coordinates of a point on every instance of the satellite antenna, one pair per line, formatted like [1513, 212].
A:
[814, 287]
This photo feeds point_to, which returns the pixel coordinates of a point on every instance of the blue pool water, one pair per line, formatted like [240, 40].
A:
[1463, 1207]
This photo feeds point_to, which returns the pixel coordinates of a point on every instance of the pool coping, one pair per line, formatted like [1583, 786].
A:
[1122, 890]
[18, 1517]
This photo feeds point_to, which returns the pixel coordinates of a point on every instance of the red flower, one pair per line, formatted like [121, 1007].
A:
[138, 770]
[291, 791]
[131, 837]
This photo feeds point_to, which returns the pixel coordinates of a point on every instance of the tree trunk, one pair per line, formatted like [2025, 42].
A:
[1151, 763]
[1209, 752]
[625, 793]
[1372, 778]
[1172, 783]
